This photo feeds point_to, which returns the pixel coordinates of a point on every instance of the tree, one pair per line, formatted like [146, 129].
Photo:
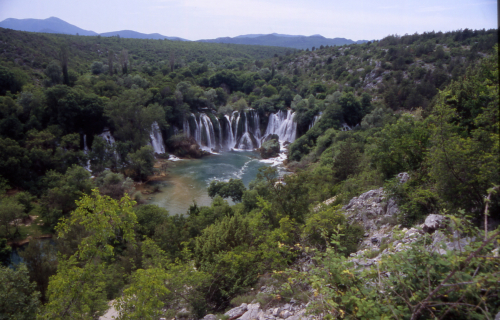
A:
[53, 71]
[5, 251]
[11, 212]
[78, 288]
[111, 54]
[132, 117]
[464, 153]
[351, 109]
[96, 67]
[18, 298]
[64, 63]
[233, 189]
[40, 258]
[142, 162]
[124, 60]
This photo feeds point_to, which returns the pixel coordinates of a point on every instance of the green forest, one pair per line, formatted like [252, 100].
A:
[424, 104]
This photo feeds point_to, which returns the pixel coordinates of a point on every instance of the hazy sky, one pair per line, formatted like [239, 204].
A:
[207, 19]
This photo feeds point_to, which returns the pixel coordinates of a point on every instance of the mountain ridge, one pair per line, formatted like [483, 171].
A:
[57, 25]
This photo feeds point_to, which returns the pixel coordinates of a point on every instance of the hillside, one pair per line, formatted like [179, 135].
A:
[49, 25]
[391, 208]
[283, 40]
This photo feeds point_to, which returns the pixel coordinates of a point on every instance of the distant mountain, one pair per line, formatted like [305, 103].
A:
[284, 40]
[56, 25]
[138, 35]
[49, 25]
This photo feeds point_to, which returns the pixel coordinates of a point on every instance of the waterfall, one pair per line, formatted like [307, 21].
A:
[315, 120]
[106, 135]
[85, 147]
[230, 134]
[240, 130]
[156, 138]
[249, 136]
[204, 132]
[282, 125]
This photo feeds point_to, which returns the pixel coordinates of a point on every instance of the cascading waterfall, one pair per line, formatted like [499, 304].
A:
[315, 120]
[106, 135]
[85, 147]
[240, 130]
[204, 132]
[282, 124]
[156, 138]
[230, 134]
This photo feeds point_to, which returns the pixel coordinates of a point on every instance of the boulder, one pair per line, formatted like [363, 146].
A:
[237, 311]
[434, 222]
[209, 317]
[252, 313]
[270, 148]
[371, 209]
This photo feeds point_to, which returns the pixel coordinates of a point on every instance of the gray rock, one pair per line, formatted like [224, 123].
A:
[265, 316]
[497, 317]
[434, 222]
[237, 311]
[299, 315]
[392, 208]
[252, 312]
[209, 317]
[403, 177]
[285, 314]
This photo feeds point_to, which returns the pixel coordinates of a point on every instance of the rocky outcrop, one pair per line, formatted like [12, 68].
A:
[371, 209]
[270, 148]
[289, 311]
[434, 222]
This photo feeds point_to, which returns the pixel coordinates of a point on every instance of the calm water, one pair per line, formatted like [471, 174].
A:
[188, 180]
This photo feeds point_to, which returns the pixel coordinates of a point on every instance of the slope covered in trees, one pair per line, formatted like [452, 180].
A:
[422, 104]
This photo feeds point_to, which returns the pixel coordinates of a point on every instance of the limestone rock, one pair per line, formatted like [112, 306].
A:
[237, 311]
[371, 209]
[252, 312]
[434, 222]
[403, 177]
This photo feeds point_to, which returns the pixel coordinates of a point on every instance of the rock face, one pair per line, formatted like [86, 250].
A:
[289, 311]
[434, 222]
[371, 209]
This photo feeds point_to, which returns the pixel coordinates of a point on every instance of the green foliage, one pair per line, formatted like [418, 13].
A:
[107, 220]
[5, 251]
[149, 217]
[63, 191]
[320, 227]
[40, 258]
[11, 212]
[132, 117]
[463, 158]
[401, 147]
[417, 283]
[233, 189]
[76, 292]
[18, 298]
[142, 162]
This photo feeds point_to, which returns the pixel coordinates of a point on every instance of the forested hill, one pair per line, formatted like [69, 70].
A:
[35, 51]
[283, 40]
[420, 107]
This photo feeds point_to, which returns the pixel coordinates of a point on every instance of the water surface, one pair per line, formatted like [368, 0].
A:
[188, 180]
